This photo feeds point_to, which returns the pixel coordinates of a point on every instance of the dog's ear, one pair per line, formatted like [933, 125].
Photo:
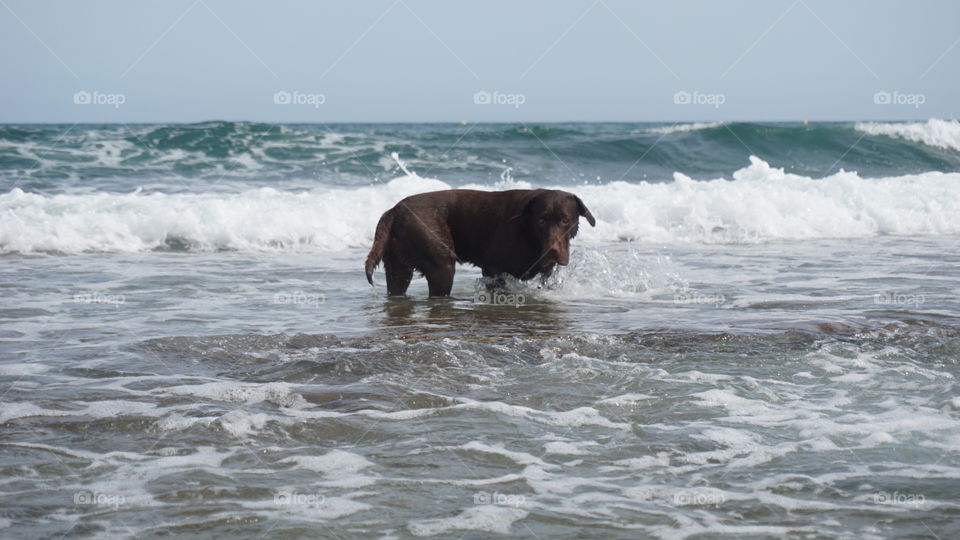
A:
[526, 203]
[585, 212]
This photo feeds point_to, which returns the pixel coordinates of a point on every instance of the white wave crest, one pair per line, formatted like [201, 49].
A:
[263, 219]
[760, 203]
[765, 203]
[681, 128]
[934, 132]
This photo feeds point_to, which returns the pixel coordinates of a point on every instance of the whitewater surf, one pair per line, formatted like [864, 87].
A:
[759, 338]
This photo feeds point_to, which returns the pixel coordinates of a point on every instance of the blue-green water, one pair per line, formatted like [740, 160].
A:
[52, 158]
[760, 338]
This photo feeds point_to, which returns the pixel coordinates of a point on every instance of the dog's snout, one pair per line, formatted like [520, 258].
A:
[560, 252]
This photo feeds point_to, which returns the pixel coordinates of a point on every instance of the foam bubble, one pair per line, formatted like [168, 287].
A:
[579, 417]
[626, 399]
[12, 411]
[22, 369]
[521, 458]
[281, 394]
[241, 424]
[96, 409]
[567, 448]
[335, 462]
[487, 518]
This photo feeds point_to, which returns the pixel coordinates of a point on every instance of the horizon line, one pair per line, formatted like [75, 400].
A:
[470, 122]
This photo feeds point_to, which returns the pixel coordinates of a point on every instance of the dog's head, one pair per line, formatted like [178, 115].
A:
[552, 218]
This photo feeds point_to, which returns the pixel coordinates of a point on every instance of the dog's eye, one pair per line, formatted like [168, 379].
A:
[541, 222]
[564, 221]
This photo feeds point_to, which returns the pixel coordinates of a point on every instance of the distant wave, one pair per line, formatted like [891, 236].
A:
[243, 155]
[760, 203]
[933, 132]
[682, 128]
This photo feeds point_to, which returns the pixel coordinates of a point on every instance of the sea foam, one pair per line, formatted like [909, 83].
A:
[933, 132]
[683, 128]
[759, 203]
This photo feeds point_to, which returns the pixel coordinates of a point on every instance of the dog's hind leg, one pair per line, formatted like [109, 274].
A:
[398, 273]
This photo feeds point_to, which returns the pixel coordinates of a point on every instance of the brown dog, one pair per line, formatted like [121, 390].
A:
[520, 232]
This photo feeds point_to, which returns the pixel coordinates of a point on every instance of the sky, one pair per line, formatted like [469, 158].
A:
[497, 61]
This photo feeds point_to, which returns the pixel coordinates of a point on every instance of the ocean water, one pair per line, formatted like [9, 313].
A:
[759, 339]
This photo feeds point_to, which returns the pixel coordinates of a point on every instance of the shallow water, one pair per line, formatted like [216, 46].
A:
[752, 343]
[782, 389]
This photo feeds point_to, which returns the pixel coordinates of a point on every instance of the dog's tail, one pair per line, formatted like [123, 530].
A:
[379, 243]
